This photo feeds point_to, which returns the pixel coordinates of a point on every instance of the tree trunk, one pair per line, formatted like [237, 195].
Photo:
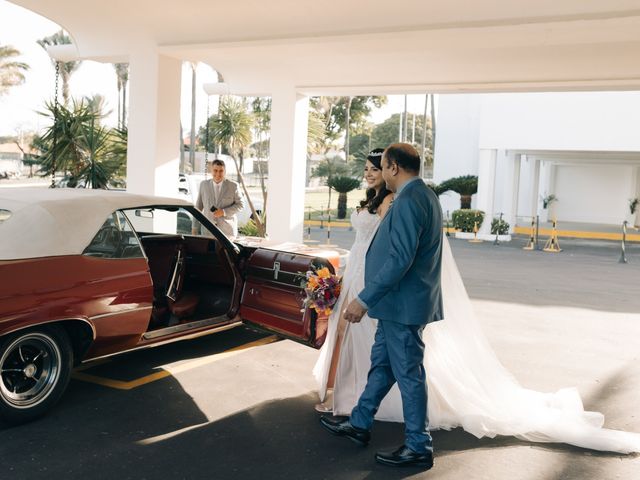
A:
[124, 104]
[119, 102]
[405, 133]
[65, 84]
[465, 201]
[346, 136]
[342, 205]
[423, 151]
[256, 218]
[192, 138]
[433, 128]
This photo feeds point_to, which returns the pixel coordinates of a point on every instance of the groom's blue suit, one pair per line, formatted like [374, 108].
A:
[402, 290]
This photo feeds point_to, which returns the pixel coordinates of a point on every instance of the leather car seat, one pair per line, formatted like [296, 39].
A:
[181, 304]
[166, 255]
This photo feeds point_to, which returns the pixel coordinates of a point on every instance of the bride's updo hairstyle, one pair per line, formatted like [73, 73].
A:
[373, 201]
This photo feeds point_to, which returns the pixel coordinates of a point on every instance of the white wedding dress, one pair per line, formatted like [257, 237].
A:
[468, 387]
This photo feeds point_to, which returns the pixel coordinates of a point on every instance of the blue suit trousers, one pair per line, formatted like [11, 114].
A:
[397, 355]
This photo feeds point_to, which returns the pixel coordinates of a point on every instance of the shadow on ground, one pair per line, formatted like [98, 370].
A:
[276, 439]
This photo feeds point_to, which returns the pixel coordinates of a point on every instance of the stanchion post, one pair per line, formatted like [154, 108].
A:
[623, 255]
[531, 245]
[447, 232]
[552, 244]
[537, 231]
[497, 240]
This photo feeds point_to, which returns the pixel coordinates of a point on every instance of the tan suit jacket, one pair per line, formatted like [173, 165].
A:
[230, 200]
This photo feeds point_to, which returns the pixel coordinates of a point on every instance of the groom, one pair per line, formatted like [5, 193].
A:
[402, 291]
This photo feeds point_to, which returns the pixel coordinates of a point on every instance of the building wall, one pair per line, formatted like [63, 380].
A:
[592, 193]
[543, 123]
[592, 121]
[456, 154]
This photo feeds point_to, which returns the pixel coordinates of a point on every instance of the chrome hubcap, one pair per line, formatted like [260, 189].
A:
[29, 369]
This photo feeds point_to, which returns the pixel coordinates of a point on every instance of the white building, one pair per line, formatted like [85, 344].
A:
[582, 147]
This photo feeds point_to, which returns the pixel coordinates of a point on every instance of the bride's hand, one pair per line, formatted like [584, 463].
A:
[354, 312]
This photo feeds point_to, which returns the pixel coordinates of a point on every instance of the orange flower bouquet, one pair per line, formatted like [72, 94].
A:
[322, 289]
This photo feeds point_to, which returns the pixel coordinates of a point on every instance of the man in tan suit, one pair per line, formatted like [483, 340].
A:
[220, 199]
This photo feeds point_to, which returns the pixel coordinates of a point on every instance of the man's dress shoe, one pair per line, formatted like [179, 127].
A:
[405, 457]
[340, 426]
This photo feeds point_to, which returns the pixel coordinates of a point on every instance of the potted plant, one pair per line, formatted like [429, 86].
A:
[634, 212]
[465, 220]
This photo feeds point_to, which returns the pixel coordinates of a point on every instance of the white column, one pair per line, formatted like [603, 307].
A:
[535, 188]
[153, 152]
[287, 165]
[511, 189]
[486, 186]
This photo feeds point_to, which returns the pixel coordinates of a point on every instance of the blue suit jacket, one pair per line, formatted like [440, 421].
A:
[402, 268]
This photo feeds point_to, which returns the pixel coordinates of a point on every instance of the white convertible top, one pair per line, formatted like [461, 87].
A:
[47, 222]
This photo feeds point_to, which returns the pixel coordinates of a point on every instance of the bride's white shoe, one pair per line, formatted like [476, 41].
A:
[327, 405]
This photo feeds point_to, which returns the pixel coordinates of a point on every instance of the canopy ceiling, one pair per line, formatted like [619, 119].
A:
[361, 47]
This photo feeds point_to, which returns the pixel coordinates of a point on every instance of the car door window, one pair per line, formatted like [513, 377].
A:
[165, 221]
[115, 239]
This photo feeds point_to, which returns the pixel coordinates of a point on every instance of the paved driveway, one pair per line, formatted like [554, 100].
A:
[238, 404]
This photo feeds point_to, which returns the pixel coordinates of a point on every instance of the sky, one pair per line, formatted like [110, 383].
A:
[18, 108]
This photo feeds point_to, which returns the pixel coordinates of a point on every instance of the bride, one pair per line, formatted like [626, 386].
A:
[468, 386]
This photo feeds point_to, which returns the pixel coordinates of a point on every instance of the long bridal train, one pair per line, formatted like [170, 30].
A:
[468, 386]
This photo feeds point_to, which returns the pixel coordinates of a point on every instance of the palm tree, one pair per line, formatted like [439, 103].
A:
[122, 73]
[11, 71]
[261, 107]
[66, 68]
[231, 129]
[88, 151]
[343, 185]
[328, 169]
[465, 186]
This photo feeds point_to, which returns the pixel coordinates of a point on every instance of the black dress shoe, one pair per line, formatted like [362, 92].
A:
[340, 426]
[405, 457]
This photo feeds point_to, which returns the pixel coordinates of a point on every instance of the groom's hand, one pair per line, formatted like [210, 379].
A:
[354, 312]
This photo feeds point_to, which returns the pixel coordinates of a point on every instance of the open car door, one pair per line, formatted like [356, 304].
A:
[273, 297]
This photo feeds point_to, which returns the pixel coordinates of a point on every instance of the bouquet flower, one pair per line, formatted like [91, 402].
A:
[322, 290]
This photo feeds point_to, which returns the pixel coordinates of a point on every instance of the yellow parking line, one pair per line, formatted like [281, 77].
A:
[129, 385]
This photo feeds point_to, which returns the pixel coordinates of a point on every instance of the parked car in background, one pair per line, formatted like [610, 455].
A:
[90, 273]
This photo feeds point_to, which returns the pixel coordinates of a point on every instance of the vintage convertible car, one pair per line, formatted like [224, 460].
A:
[86, 274]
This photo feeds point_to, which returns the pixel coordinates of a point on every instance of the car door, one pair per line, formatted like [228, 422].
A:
[272, 297]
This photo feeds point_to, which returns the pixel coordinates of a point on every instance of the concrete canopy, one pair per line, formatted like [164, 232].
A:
[338, 47]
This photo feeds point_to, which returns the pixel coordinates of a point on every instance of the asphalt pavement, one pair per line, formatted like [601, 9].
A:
[239, 404]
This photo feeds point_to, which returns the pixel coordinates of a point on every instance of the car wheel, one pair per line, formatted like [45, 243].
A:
[35, 368]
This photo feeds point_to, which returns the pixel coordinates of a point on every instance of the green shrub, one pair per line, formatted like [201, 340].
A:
[249, 229]
[501, 227]
[465, 219]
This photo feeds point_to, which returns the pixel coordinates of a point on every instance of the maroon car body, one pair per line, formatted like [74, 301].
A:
[75, 287]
